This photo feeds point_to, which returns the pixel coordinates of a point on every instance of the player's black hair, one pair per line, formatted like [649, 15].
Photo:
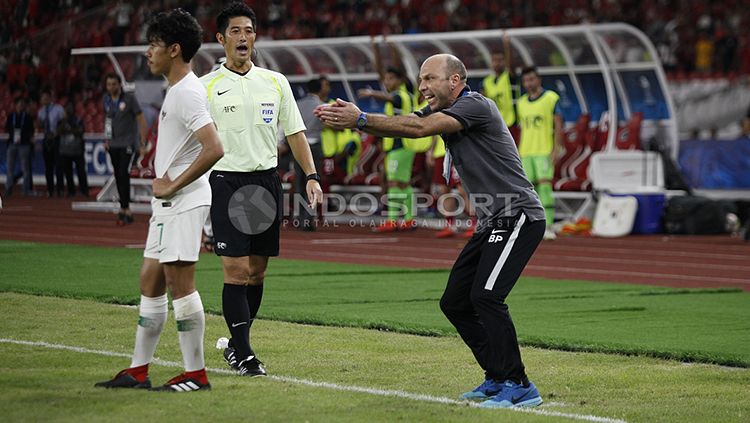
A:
[396, 71]
[529, 69]
[112, 75]
[232, 10]
[314, 85]
[176, 27]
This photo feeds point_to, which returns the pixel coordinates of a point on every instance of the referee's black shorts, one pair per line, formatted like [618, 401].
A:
[246, 212]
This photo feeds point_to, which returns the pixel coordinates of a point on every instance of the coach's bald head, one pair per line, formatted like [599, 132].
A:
[442, 78]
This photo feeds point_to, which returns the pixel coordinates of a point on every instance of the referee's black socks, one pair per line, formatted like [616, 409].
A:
[237, 315]
[254, 297]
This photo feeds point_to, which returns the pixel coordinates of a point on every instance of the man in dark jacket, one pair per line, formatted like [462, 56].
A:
[20, 129]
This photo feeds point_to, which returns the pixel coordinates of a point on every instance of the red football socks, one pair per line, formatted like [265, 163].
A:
[199, 375]
[140, 373]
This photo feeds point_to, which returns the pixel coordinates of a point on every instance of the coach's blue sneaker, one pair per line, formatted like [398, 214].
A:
[514, 395]
[488, 388]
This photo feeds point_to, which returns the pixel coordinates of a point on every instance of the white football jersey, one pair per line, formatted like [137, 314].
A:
[184, 111]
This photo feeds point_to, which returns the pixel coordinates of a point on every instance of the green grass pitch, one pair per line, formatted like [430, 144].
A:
[339, 369]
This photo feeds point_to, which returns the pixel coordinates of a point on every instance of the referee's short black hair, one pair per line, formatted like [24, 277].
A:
[314, 85]
[176, 27]
[232, 10]
[529, 69]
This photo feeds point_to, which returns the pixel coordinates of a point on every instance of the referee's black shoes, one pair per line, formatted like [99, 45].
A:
[252, 367]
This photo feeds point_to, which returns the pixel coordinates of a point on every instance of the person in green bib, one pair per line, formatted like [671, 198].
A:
[341, 150]
[541, 137]
[399, 159]
[498, 85]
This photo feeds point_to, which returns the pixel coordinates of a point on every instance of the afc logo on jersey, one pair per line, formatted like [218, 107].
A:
[229, 109]
[267, 112]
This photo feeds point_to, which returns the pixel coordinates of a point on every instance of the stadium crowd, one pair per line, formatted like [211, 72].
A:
[697, 37]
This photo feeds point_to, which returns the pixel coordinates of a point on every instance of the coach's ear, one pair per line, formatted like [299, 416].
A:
[220, 38]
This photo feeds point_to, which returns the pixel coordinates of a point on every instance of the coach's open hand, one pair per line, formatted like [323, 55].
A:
[338, 115]
[162, 187]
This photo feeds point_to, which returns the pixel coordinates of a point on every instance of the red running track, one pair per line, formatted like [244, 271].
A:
[676, 261]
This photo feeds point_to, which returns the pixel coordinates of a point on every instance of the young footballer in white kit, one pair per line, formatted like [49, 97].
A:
[188, 145]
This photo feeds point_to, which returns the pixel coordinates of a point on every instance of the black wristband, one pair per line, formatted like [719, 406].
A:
[313, 177]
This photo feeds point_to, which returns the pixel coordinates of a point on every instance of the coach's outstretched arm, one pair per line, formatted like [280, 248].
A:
[344, 114]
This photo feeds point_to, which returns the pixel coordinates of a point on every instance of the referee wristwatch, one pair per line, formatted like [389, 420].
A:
[313, 177]
[361, 120]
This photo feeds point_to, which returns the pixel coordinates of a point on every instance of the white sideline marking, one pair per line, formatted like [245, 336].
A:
[328, 385]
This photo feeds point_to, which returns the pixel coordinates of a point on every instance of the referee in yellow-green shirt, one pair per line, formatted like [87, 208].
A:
[248, 104]
[541, 137]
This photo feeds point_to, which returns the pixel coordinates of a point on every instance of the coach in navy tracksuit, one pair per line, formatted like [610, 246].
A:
[511, 218]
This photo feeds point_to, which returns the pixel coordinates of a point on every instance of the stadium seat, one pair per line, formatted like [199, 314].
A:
[419, 177]
[368, 163]
[578, 179]
[629, 136]
[573, 145]
[333, 173]
[144, 167]
[288, 177]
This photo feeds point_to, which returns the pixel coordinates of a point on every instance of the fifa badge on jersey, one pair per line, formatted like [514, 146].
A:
[266, 112]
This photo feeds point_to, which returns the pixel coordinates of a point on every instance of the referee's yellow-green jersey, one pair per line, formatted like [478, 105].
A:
[537, 120]
[498, 89]
[248, 110]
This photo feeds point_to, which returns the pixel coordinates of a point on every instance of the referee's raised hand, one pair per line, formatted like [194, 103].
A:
[314, 193]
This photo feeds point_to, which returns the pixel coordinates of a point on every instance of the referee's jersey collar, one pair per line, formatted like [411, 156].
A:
[234, 75]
